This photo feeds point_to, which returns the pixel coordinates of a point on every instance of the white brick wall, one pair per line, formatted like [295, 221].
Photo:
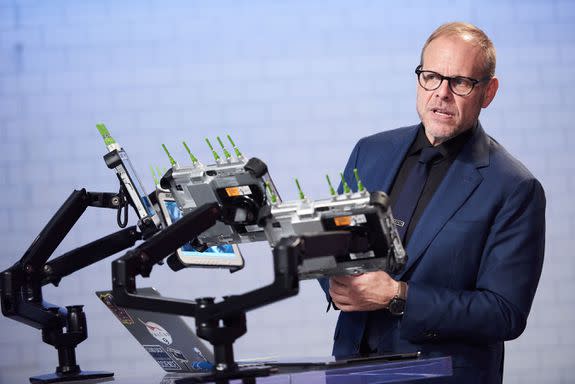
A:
[295, 83]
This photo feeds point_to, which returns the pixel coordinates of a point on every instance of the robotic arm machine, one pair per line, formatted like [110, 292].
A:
[230, 202]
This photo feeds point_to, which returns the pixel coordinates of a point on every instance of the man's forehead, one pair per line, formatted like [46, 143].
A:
[454, 50]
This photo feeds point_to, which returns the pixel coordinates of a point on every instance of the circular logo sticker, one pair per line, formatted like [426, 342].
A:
[158, 332]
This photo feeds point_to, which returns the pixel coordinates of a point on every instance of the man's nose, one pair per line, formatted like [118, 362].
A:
[444, 92]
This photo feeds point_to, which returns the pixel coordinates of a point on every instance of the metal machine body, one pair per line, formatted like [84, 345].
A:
[238, 185]
[367, 216]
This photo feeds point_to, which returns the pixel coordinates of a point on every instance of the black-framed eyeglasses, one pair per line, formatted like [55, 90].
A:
[460, 85]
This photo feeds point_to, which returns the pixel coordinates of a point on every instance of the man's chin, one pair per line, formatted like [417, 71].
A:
[438, 134]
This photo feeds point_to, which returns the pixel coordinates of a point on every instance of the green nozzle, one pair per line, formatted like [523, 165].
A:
[331, 190]
[273, 196]
[154, 175]
[194, 160]
[105, 134]
[216, 156]
[344, 183]
[226, 153]
[301, 195]
[236, 150]
[172, 161]
[359, 183]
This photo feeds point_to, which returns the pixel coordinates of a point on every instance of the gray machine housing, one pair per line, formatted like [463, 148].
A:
[367, 214]
[239, 183]
[256, 216]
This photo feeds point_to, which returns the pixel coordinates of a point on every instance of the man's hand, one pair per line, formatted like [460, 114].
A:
[365, 292]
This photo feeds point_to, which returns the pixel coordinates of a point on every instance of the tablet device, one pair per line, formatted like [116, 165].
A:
[220, 256]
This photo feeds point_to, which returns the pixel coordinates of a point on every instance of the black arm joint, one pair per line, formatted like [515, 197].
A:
[256, 167]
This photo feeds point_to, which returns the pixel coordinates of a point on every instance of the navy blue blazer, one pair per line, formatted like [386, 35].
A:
[475, 256]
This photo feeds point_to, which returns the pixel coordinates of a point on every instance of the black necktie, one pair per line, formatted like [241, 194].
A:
[409, 196]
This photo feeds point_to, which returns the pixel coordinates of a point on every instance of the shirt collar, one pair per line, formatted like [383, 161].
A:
[448, 149]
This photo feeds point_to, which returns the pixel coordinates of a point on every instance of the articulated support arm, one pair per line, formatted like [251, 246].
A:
[21, 284]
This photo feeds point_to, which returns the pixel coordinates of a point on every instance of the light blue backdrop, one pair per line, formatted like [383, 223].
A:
[296, 83]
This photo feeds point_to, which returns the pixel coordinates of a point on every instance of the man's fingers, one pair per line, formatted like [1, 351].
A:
[343, 279]
[339, 297]
[336, 281]
[339, 293]
[339, 289]
[342, 304]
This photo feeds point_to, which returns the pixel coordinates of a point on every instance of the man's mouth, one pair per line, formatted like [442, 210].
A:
[442, 112]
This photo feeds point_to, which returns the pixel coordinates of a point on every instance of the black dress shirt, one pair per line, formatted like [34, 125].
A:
[449, 151]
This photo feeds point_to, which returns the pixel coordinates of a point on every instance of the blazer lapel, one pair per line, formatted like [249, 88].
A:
[391, 160]
[460, 181]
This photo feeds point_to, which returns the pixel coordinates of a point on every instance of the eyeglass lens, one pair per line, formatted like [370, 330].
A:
[459, 85]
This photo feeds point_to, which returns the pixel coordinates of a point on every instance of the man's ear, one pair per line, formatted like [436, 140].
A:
[490, 92]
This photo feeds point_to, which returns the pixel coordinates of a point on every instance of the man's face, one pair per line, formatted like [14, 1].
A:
[443, 113]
